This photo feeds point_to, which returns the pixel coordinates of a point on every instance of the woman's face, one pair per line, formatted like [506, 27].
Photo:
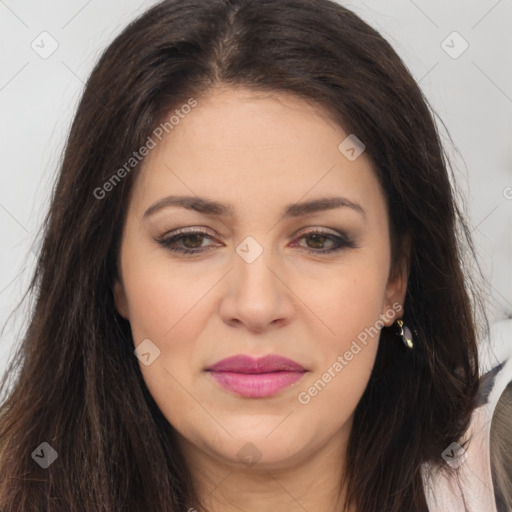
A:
[260, 280]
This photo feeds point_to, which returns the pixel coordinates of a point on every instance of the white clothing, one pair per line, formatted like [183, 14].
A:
[472, 490]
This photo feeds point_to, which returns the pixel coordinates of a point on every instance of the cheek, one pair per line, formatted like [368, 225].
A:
[350, 309]
[346, 354]
[169, 311]
[348, 301]
[161, 299]
[167, 308]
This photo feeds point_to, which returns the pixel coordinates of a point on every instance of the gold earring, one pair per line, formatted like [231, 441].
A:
[405, 334]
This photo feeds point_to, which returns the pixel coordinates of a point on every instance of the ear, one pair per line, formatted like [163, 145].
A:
[120, 300]
[396, 287]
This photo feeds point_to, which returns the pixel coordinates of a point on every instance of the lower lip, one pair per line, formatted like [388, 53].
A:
[256, 385]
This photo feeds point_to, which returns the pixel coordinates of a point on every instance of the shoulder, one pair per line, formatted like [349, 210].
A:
[464, 483]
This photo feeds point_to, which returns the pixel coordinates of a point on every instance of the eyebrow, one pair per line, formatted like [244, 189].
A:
[214, 208]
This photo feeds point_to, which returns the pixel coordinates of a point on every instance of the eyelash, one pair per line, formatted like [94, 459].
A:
[341, 241]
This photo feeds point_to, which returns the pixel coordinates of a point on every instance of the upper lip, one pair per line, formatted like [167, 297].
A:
[248, 364]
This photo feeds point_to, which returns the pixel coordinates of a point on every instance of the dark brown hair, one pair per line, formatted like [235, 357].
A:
[78, 385]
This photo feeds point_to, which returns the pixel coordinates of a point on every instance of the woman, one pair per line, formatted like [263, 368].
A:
[250, 293]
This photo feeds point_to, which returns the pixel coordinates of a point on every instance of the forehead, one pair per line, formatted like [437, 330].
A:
[252, 147]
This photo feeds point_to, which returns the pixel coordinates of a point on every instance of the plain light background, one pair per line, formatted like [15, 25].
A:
[470, 88]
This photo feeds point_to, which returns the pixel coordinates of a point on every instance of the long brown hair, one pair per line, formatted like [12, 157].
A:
[78, 386]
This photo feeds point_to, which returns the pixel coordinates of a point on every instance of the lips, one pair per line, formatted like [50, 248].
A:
[248, 364]
[256, 377]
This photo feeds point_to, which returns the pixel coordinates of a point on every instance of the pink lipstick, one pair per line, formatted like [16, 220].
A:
[256, 378]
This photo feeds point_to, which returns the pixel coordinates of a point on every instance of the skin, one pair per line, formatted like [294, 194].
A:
[258, 152]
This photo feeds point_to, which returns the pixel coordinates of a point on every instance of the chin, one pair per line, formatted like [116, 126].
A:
[253, 451]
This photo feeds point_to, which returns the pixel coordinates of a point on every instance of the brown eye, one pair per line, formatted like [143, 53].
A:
[195, 239]
[318, 239]
[186, 242]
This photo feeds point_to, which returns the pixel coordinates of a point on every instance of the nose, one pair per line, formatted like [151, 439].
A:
[257, 295]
